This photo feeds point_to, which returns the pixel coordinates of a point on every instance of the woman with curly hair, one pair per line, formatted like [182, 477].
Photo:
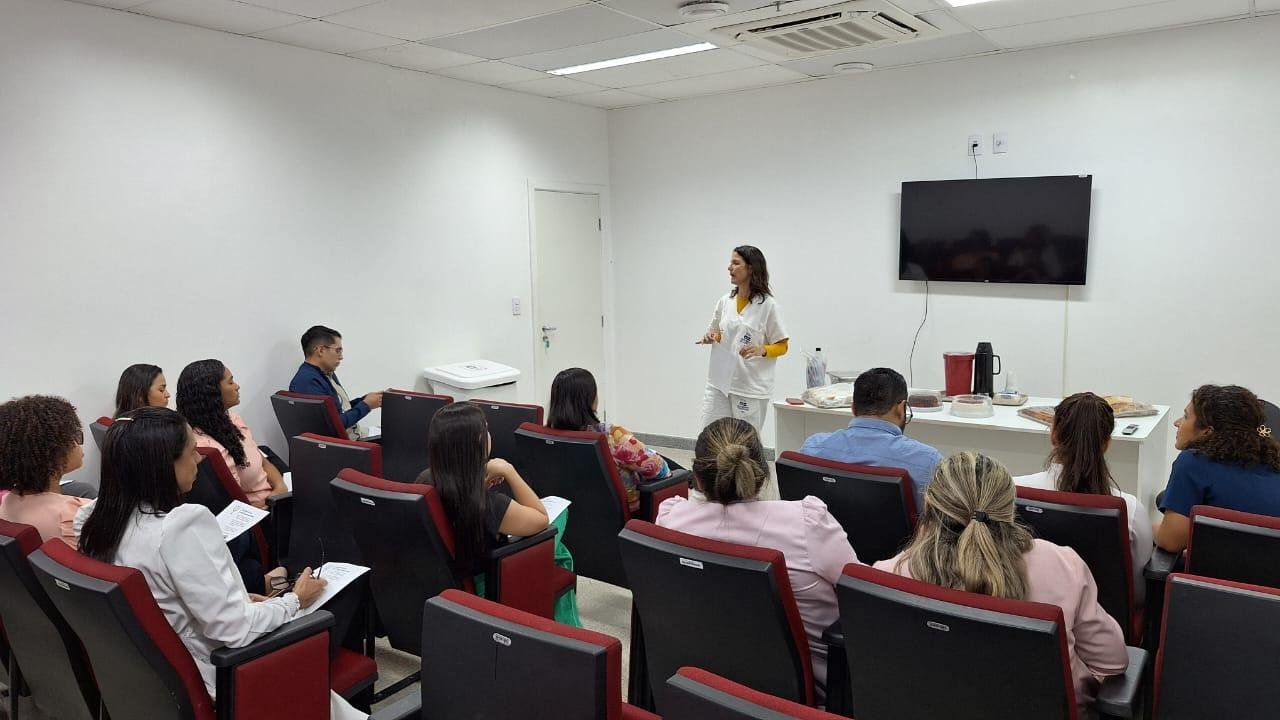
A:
[40, 441]
[141, 385]
[1229, 459]
[206, 393]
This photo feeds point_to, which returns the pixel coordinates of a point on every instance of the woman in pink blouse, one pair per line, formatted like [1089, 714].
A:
[206, 393]
[729, 468]
[40, 441]
[968, 539]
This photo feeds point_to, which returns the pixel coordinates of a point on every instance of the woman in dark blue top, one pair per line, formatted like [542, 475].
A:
[1229, 459]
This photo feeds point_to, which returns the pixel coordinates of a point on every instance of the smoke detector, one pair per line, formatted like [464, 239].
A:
[852, 67]
[703, 9]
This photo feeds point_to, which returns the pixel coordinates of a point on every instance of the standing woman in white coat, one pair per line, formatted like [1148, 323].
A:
[747, 338]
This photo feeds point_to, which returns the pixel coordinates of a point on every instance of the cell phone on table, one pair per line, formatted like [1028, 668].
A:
[794, 401]
[1129, 429]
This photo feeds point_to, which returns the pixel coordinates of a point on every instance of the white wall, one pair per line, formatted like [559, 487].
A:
[1178, 128]
[170, 193]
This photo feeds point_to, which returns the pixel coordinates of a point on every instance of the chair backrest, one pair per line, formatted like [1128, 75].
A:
[1218, 648]
[1097, 528]
[98, 429]
[53, 662]
[406, 541]
[142, 667]
[1234, 545]
[317, 533]
[918, 651]
[874, 505]
[482, 659]
[695, 694]
[215, 487]
[504, 418]
[406, 416]
[299, 413]
[722, 607]
[578, 466]
[1272, 413]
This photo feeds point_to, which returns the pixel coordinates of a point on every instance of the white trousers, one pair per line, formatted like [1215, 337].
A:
[716, 405]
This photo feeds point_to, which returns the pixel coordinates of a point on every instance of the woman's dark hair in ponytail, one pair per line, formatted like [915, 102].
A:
[728, 462]
[1082, 427]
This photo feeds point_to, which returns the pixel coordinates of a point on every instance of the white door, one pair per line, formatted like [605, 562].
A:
[568, 277]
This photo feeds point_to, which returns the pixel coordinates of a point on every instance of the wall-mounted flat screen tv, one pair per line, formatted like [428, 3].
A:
[1001, 230]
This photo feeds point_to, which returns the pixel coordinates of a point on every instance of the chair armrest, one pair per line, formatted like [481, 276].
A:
[1162, 563]
[833, 636]
[521, 574]
[654, 492]
[672, 465]
[283, 636]
[1118, 697]
[278, 526]
[406, 708]
[516, 546]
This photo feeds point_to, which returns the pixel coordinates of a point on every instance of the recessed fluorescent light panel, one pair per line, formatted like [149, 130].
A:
[962, 3]
[628, 60]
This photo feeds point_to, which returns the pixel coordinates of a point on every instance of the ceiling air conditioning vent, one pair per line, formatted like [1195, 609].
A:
[832, 29]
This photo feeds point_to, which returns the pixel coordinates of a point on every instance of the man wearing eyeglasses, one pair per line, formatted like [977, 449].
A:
[875, 437]
[322, 348]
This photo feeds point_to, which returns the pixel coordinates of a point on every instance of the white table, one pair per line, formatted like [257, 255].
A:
[1138, 461]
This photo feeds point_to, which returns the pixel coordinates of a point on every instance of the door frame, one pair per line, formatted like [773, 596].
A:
[607, 297]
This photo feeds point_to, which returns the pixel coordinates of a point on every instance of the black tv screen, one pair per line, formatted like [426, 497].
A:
[1003, 230]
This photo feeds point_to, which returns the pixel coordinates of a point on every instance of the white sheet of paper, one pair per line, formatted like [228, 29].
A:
[236, 518]
[337, 576]
[372, 431]
[554, 505]
[723, 365]
[288, 481]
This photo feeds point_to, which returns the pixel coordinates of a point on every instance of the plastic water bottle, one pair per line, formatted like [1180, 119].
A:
[815, 374]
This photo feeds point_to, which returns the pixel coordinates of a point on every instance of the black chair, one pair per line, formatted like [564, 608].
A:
[718, 606]
[485, 660]
[299, 414]
[694, 694]
[317, 533]
[1234, 545]
[579, 467]
[874, 505]
[45, 655]
[1218, 650]
[504, 418]
[98, 429]
[406, 416]
[917, 651]
[1097, 528]
[1272, 413]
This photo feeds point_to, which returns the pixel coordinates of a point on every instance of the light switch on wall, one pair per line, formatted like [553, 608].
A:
[515, 306]
[999, 143]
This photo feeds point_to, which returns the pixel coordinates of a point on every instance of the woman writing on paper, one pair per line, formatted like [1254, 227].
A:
[746, 338]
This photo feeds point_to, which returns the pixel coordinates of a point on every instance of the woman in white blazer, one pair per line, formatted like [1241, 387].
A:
[149, 459]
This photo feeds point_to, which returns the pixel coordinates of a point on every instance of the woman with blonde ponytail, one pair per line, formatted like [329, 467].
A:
[729, 469]
[969, 539]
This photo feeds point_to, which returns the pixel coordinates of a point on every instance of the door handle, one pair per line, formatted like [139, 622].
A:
[547, 329]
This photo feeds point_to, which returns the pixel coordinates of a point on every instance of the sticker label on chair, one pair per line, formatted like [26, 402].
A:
[827, 479]
[695, 564]
[937, 626]
[322, 446]
[549, 442]
[493, 407]
[502, 640]
[367, 501]
[1034, 509]
[61, 584]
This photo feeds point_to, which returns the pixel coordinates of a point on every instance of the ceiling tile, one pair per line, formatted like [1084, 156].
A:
[225, 15]
[554, 87]
[325, 36]
[672, 68]
[1147, 17]
[941, 48]
[645, 42]
[944, 21]
[416, 56]
[610, 99]
[667, 12]
[752, 77]
[422, 19]
[569, 28]
[915, 7]
[1268, 5]
[310, 8]
[491, 72]
[117, 4]
[1003, 14]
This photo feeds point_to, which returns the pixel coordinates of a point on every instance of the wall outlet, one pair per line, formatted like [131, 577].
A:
[999, 143]
[515, 306]
[975, 145]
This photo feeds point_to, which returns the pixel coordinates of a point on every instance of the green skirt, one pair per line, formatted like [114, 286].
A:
[566, 610]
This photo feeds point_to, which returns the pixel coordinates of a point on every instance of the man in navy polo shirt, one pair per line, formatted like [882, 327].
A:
[322, 348]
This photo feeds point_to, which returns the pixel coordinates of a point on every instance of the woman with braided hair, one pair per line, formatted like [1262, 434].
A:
[968, 538]
[729, 469]
[1229, 459]
[206, 393]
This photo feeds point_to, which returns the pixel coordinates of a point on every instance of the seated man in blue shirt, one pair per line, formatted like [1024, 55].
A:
[322, 348]
[875, 436]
